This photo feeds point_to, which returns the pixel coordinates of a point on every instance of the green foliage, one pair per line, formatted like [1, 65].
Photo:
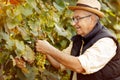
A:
[111, 8]
[21, 24]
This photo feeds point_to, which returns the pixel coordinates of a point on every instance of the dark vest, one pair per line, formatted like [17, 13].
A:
[112, 70]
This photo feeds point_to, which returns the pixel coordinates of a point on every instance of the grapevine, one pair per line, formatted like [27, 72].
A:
[22, 22]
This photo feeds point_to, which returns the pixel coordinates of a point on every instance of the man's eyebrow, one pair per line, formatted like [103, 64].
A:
[76, 16]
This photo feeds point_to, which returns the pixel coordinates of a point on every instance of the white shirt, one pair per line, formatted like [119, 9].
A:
[97, 56]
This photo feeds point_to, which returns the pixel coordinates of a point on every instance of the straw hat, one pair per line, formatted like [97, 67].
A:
[89, 5]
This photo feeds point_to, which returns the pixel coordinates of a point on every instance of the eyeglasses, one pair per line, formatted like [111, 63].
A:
[77, 19]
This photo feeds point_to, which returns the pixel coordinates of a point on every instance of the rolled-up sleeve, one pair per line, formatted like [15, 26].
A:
[97, 56]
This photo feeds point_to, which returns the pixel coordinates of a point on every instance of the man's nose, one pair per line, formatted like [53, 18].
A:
[73, 23]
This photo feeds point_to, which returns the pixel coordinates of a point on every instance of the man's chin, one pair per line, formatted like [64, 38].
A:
[78, 33]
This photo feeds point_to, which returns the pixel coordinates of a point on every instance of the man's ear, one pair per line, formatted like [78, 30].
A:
[94, 18]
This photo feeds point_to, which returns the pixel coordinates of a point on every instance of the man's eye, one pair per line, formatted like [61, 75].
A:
[77, 19]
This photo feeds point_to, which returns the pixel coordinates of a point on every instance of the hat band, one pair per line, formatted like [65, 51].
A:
[84, 5]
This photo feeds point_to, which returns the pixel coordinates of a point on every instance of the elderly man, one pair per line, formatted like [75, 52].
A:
[94, 51]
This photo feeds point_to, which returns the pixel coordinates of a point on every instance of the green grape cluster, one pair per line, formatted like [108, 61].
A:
[40, 61]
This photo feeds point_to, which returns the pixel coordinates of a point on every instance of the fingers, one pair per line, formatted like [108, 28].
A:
[37, 45]
[41, 45]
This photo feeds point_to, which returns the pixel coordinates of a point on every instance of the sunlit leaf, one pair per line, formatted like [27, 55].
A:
[51, 38]
[4, 36]
[63, 43]
[33, 72]
[20, 48]
[10, 14]
[35, 27]
[29, 55]
[60, 3]
[26, 10]
[24, 33]
[59, 8]
[33, 4]
[16, 11]
[13, 60]
[117, 27]
[60, 30]
[10, 44]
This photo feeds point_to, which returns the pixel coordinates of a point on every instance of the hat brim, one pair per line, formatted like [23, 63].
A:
[99, 13]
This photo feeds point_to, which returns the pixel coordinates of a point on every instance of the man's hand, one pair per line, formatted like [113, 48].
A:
[43, 46]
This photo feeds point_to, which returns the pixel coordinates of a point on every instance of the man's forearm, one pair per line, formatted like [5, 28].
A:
[54, 63]
[69, 61]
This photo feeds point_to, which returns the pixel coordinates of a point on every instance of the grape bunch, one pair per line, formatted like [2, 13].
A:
[40, 61]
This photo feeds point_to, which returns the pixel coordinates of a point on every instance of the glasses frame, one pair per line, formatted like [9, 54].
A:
[77, 19]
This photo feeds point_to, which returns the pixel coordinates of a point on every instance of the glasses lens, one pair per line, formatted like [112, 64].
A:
[76, 19]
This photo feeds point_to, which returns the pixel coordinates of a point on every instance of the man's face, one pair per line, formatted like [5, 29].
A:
[82, 22]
